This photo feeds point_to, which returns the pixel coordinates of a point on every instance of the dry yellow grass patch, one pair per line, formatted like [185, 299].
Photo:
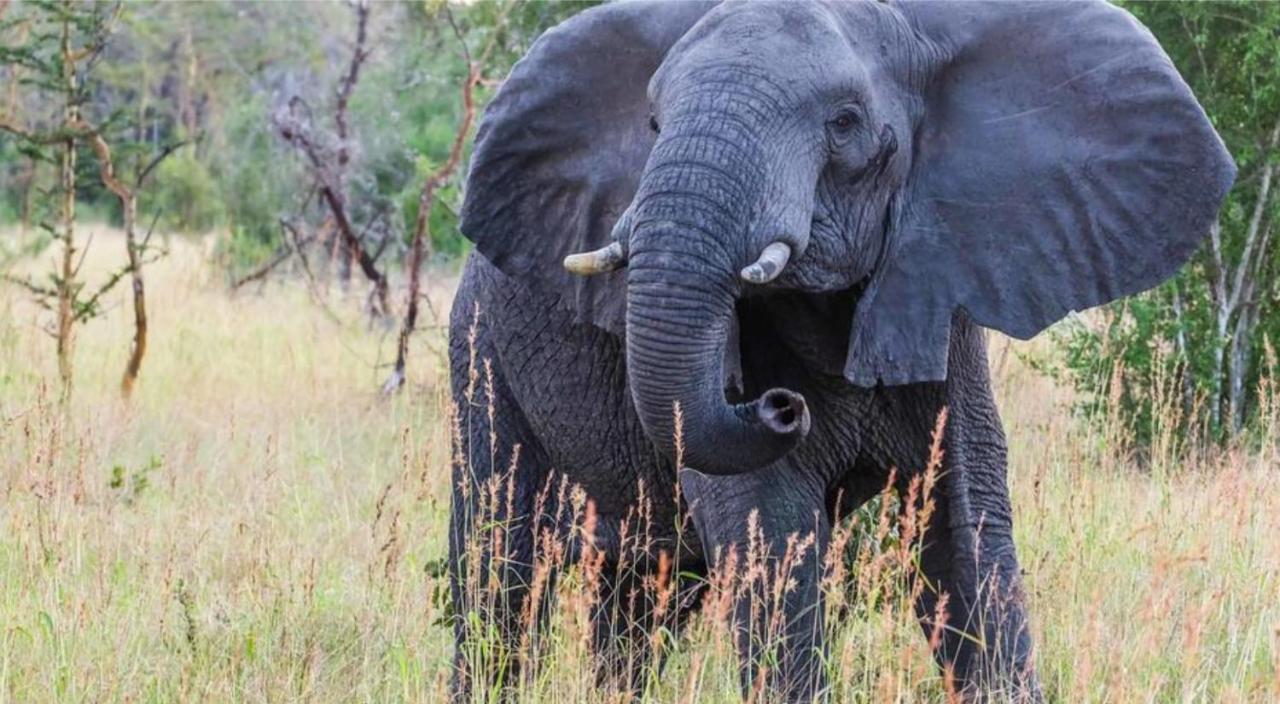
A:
[258, 526]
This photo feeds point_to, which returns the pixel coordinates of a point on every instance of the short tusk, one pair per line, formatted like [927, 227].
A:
[600, 261]
[769, 265]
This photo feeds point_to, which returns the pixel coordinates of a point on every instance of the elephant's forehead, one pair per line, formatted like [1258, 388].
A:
[792, 41]
[763, 29]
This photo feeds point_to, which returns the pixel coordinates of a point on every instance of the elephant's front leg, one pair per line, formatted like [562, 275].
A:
[967, 551]
[769, 527]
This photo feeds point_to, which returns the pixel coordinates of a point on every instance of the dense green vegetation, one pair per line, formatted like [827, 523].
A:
[214, 74]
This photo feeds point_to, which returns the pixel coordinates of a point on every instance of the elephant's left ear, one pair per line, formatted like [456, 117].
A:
[561, 147]
[1061, 163]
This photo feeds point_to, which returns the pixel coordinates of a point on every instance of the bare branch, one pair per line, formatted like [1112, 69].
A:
[457, 32]
[281, 255]
[382, 248]
[367, 265]
[84, 254]
[58, 136]
[426, 199]
[1204, 67]
[358, 55]
[106, 169]
[155, 161]
[150, 230]
[37, 290]
[330, 181]
[298, 243]
[88, 308]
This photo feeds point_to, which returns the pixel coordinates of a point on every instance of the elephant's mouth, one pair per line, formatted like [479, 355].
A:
[812, 327]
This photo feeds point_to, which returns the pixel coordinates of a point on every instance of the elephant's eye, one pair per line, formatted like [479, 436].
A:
[653, 124]
[844, 122]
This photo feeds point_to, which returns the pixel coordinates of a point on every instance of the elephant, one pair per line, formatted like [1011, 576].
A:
[735, 259]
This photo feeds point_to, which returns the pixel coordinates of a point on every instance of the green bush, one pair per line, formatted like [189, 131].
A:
[258, 182]
[243, 248]
[1122, 361]
[185, 194]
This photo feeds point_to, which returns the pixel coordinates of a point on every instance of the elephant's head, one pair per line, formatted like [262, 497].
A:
[1018, 161]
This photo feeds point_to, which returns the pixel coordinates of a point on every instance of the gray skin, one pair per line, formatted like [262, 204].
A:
[933, 168]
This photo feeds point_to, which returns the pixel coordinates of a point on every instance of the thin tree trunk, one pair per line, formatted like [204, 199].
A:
[1241, 303]
[139, 348]
[1234, 302]
[190, 75]
[128, 196]
[1242, 339]
[1184, 356]
[381, 305]
[1221, 318]
[26, 176]
[345, 255]
[358, 55]
[1240, 358]
[67, 283]
[347, 247]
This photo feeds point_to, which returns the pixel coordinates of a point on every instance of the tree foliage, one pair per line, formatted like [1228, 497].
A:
[215, 73]
[1200, 345]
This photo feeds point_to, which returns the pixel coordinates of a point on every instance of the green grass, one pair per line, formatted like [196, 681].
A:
[258, 526]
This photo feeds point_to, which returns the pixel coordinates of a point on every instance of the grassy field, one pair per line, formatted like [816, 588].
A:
[258, 526]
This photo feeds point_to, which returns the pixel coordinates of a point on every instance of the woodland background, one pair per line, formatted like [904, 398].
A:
[265, 105]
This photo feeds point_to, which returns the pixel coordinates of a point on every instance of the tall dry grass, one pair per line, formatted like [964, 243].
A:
[257, 526]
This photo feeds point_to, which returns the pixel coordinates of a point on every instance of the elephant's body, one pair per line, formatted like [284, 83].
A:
[560, 393]
[787, 221]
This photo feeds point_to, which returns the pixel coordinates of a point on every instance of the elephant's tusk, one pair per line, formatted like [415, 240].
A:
[600, 261]
[769, 265]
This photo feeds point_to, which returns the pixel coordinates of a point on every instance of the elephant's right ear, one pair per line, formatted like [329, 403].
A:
[561, 147]
[1060, 162]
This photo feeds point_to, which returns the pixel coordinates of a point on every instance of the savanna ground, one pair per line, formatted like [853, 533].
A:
[259, 526]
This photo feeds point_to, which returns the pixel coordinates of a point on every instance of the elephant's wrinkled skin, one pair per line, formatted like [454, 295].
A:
[914, 171]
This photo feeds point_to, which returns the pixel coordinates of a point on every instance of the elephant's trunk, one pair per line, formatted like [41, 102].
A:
[680, 295]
